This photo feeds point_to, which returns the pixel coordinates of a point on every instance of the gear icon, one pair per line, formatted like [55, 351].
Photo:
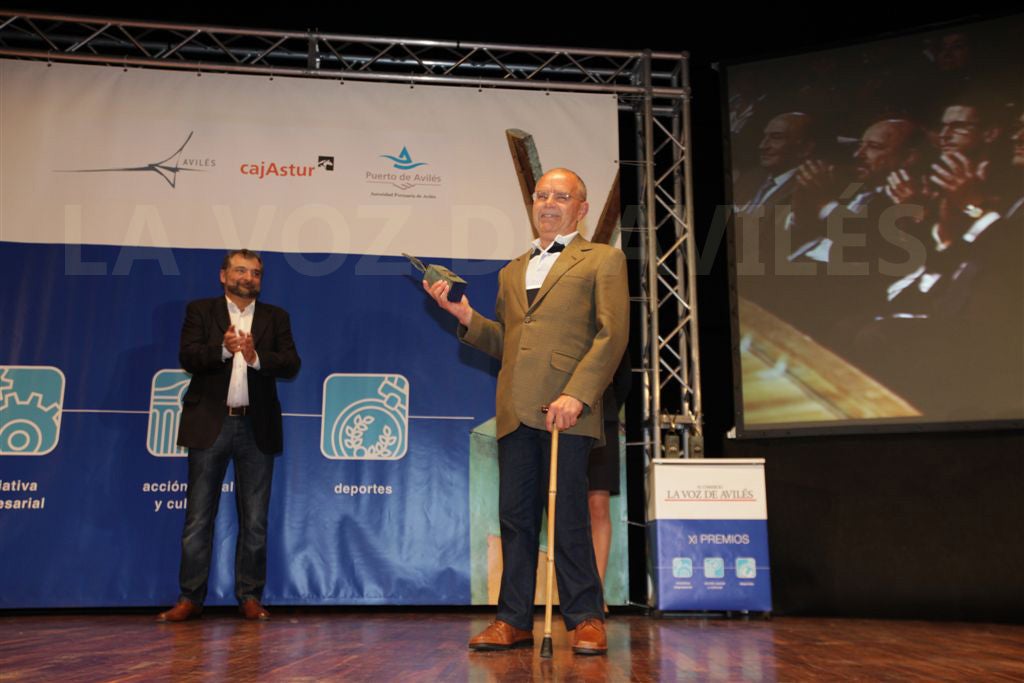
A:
[27, 427]
[6, 384]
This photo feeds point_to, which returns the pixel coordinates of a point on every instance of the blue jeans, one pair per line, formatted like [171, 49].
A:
[253, 472]
[524, 464]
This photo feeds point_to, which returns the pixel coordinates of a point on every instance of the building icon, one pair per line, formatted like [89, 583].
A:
[169, 386]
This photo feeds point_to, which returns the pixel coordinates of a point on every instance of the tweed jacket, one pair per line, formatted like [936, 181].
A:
[568, 341]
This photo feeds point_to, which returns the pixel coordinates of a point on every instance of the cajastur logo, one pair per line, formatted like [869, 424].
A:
[268, 169]
[168, 168]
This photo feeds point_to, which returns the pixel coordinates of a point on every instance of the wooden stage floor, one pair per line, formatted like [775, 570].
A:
[431, 646]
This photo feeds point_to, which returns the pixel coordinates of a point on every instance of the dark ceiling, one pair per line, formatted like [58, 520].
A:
[716, 31]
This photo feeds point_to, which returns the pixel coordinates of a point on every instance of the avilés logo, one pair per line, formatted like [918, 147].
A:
[168, 168]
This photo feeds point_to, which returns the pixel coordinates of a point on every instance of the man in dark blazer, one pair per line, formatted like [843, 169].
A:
[562, 326]
[235, 350]
[764, 198]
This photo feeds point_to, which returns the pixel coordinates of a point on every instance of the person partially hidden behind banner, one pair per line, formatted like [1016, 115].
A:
[235, 350]
[562, 322]
[603, 467]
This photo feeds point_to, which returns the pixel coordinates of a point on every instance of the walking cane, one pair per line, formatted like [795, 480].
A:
[545, 646]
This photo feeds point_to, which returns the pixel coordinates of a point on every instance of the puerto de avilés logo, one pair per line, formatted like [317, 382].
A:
[403, 161]
[403, 177]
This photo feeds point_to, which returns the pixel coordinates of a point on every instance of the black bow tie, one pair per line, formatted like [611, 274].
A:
[553, 249]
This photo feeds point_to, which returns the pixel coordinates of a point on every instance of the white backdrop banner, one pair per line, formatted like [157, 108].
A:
[171, 159]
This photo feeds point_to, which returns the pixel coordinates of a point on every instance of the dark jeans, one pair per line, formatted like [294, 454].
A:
[253, 472]
[524, 463]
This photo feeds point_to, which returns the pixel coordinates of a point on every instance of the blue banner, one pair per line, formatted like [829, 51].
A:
[96, 518]
[710, 564]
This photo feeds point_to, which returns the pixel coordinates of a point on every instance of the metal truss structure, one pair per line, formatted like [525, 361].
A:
[652, 86]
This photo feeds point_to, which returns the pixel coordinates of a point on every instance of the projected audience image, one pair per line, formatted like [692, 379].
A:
[877, 228]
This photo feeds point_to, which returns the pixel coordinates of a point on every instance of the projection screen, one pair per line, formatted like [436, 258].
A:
[876, 233]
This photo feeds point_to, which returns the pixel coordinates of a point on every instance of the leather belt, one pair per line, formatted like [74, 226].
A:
[238, 411]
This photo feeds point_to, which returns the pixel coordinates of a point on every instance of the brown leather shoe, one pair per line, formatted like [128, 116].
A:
[252, 610]
[589, 638]
[183, 611]
[501, 636]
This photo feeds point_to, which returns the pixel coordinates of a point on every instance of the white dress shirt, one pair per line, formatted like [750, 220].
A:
[238, 388]
[540, 265]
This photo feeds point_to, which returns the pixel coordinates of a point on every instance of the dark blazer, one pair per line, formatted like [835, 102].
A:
[759, 227]
[204, 404]
[568, 341]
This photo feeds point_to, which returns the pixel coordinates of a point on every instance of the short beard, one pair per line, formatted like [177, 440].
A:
[253, 293]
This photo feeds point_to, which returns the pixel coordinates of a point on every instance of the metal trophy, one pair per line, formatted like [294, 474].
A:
[433, 272]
